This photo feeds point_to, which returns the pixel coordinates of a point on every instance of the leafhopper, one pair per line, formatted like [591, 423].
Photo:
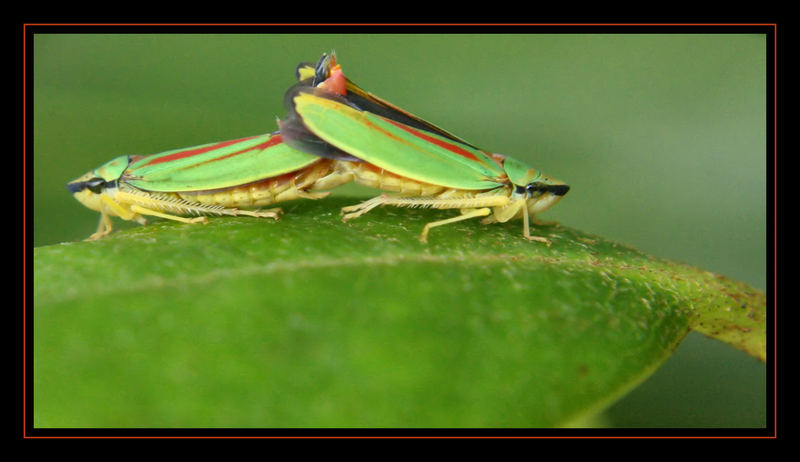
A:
[212, 179]
[377, 144]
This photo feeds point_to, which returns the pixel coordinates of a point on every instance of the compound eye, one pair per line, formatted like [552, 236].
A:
[536, 189]
[95, 185]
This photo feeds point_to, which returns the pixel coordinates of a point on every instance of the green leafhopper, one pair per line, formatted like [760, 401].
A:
[390, 149]
[211, 179]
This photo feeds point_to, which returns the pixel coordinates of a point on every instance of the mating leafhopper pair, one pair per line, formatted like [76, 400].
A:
[335, 133]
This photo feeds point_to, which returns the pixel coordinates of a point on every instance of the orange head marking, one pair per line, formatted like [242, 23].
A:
[336, 81]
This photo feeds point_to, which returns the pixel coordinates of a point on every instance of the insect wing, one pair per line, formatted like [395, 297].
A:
[312, 74]
[369, 102]
[297, 135]
[217, 165]
[396, 147]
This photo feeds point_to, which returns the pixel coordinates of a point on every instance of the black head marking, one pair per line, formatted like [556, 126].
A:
[558, 189]
[94, 185]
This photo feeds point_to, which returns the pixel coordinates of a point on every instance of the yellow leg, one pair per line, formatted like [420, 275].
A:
[121, 211]
[124, 205]
[138, 209]
[435, 202]
[152, 205]
[331, 181]
[503, 214]
[103, 227]
[526, 228]
[312, 195]
[355, 211]
[465, 215]
[471, 207]
[269, 213]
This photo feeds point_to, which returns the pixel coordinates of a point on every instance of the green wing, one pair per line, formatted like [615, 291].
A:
[219, 165]
[396, 147]
[311, 74]
[369, 102]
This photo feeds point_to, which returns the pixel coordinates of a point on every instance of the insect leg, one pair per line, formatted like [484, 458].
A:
[465, 215]
[103, 227]
[357, 210]
[512, 210]
[150, 204]
[268, 213]
[144, 211]
[435, 202]
[121, 211]
[311, 195]
[526, 228]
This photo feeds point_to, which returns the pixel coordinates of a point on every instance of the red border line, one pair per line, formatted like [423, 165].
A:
[775, 226]
[24, 237]
[405, 24]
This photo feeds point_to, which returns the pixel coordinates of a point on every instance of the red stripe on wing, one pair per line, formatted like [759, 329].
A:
[449, 146]
[194, 152]
[270, 142]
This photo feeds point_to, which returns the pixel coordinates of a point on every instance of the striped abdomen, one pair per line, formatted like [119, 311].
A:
[285, 187]
[369, 175]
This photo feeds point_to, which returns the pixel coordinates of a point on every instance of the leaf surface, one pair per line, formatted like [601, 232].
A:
[311, 322]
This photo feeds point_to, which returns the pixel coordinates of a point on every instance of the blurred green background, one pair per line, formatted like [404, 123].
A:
[662, 138]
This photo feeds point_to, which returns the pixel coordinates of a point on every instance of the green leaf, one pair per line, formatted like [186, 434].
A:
[311, 322]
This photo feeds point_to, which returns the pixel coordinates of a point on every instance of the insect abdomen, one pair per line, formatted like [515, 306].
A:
[369, 175]
[264, 192]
